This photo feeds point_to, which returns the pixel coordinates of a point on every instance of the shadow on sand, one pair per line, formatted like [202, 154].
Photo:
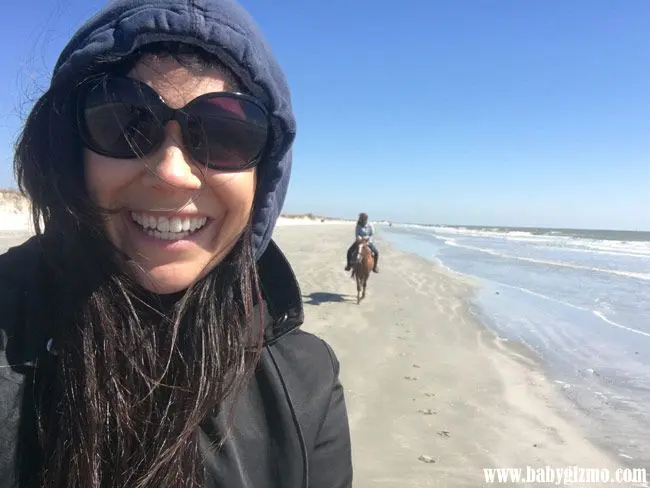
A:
[317, 298]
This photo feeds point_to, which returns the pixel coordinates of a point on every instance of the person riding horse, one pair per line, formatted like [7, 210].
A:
[363, 230]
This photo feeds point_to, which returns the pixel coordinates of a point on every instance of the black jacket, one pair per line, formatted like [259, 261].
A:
[290, 428]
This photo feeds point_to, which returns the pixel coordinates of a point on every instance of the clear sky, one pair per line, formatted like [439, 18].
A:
[503, 112]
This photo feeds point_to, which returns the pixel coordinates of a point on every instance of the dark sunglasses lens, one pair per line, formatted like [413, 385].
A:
[226, 132]
[118, 122]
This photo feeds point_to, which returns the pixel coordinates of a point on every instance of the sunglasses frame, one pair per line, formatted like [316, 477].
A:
[168, 114]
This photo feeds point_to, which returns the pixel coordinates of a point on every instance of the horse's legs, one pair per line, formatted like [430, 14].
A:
[358, 289]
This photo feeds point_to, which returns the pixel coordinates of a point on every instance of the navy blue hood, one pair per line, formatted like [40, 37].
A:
[223, 28]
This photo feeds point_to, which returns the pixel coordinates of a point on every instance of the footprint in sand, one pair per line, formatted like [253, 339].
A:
[427, 411]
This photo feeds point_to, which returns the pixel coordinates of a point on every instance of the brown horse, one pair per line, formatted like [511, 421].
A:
[361, 267]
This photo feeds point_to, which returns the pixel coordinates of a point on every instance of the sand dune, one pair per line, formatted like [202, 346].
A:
[14, 212]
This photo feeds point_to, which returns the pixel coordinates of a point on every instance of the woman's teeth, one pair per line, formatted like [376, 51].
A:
[170, 229]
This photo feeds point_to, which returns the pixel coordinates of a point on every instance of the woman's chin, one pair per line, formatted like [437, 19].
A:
[165, 277]
[164, 280]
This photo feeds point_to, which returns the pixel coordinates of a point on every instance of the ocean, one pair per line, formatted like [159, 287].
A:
[578, 299]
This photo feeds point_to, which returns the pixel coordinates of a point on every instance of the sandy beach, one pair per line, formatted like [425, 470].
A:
[423, 378]
[433, 397]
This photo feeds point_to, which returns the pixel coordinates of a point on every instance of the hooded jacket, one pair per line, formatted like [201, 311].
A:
[222, 28]
[290, 427]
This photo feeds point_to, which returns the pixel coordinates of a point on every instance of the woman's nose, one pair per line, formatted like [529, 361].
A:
[170, 166]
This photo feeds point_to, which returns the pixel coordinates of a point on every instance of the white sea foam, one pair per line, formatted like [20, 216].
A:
[597, 313]
[542, 296]
[604, 318]
[571, 243]
[628, 274]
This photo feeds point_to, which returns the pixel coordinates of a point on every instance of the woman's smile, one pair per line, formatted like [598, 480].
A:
[169, 227]
[163, 238]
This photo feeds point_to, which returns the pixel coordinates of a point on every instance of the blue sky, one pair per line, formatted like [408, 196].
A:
[506, 112]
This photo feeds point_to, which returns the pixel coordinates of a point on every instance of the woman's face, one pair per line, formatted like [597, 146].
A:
[167, 189]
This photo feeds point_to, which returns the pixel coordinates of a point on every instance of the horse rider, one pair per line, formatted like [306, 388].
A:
[363, 230]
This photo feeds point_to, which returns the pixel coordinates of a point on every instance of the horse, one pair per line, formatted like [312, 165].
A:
[361, 267]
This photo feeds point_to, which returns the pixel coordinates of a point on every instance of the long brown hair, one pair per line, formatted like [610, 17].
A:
[121, 403]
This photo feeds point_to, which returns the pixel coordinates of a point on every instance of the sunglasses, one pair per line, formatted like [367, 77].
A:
[124, 118]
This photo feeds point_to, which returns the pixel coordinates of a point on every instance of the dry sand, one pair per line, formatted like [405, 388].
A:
[422, 377]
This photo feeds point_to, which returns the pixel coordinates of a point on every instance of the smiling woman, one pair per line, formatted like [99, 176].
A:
[177, 218]
[151, 334]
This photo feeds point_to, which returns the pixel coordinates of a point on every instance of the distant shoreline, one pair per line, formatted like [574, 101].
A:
[11, 197]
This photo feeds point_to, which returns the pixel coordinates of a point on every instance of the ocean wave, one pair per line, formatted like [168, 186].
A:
[597, 313]
[541, 295]
[639, 249]
[627, 274]
[604, 318]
